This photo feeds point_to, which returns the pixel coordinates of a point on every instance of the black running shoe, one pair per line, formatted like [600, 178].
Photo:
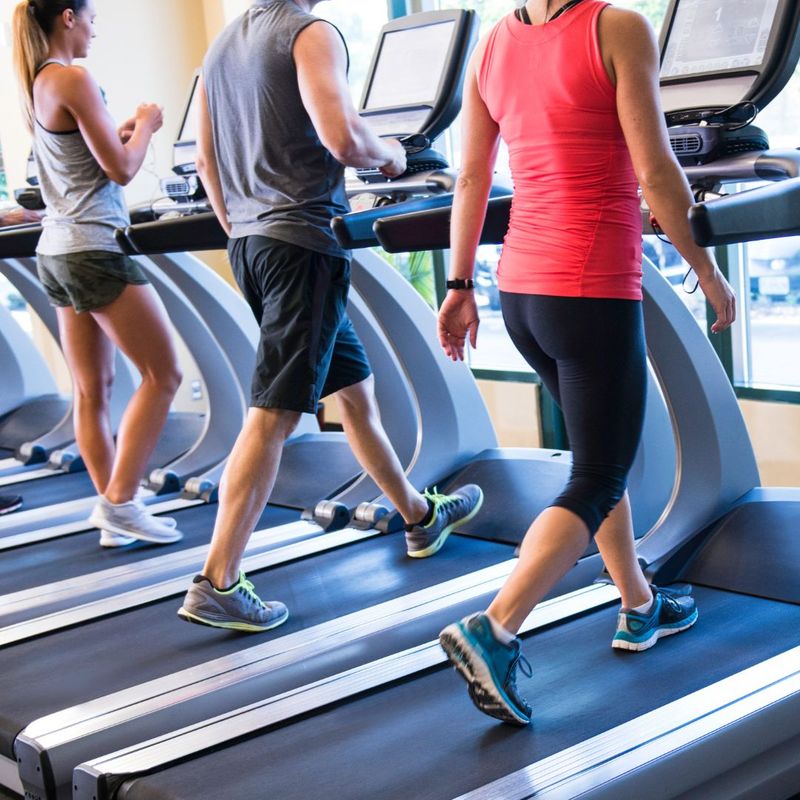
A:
[9, 503]
[671, 612]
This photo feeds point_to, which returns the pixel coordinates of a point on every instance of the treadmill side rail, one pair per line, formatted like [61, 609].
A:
[681, 745]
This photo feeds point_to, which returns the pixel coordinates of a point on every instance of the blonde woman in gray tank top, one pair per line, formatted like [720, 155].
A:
[102, 297]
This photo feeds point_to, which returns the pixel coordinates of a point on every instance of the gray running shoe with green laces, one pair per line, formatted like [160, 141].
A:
[449, 512]
[237, 609]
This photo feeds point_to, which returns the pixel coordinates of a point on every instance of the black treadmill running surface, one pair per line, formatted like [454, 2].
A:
[80, 553]
[47, 491]
[120, 651]
[423, 738]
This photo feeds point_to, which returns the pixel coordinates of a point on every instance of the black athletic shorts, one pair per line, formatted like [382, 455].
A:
[308, 348]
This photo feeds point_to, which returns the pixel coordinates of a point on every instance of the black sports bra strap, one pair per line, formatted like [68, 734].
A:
[522, 15]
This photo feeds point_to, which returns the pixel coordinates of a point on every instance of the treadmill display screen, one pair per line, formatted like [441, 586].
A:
[712, 36]
[188, 131]
[409, 67]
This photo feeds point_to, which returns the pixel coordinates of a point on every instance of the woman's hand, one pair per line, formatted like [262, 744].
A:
[458, 318]
[719, 293]
[150, 115]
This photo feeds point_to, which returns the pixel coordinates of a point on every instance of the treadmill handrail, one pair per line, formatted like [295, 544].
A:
[20, 241]
[768, 212]
[194, 233]
[406, 234]
[359, 228]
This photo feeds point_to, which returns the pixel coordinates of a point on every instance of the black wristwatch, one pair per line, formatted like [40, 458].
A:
[460, 283]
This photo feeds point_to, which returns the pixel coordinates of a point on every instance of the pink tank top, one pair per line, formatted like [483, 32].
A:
[576, 228]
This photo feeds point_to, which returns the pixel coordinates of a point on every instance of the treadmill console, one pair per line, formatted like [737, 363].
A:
[721, 64]
[184, 150]
[413, 88]
[715, 55]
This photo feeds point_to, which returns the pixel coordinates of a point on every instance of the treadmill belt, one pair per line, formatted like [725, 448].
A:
[145, 643]
[80, 554]
[47, 491]
[422, 738]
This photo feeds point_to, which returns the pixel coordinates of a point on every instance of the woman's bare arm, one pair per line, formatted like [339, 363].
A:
[80, 96]
[458, 316]
[631, 52]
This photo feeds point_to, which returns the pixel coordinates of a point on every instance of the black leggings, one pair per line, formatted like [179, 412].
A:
[590, 354]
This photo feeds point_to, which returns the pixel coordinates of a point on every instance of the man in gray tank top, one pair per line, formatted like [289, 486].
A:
[276, 128]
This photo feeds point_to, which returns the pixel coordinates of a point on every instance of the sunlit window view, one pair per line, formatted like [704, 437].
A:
[359, 23]
[3, 180]
[770, 275]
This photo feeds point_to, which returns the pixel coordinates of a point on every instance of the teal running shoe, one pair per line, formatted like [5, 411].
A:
[449, 512]
[672, 612]
[489, 668]
[236, 609]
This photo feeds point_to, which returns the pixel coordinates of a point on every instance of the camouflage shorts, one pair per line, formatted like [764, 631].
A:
[88, 280]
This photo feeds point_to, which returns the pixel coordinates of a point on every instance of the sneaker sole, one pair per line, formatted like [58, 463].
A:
[659, 633]
[438, 543]
[492, 703]
[245, 627]
[11, 509]
[120, 541]
[171, 538]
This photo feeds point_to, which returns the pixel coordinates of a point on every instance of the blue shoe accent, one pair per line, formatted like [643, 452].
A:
[489, 667]
[672, 612]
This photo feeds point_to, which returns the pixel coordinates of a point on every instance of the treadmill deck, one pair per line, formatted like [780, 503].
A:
[422, 738]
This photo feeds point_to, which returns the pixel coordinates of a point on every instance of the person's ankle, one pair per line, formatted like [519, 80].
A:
[117, 498]
[500, 632]
[221, 580]
[641, 602]
[418, 513]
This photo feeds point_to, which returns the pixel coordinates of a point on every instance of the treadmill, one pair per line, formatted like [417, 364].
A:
[192, 445]
[347, 602]
[712, 714]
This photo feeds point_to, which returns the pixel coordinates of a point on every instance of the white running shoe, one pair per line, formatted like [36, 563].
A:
[132, 520]
[170, 522]
[108, 539]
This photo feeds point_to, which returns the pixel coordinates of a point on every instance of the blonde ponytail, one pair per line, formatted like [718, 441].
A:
[30, 50]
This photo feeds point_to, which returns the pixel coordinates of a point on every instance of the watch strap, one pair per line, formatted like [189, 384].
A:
[460, 283]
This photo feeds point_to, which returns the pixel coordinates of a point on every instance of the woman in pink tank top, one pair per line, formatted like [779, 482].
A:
[572, 88]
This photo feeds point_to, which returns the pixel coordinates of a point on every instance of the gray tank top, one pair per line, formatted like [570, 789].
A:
[278, 179]
[84, 206]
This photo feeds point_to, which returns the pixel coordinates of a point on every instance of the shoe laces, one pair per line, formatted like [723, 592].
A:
[524, 666]
[669, 600]
[439, 500]
[247, 589]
